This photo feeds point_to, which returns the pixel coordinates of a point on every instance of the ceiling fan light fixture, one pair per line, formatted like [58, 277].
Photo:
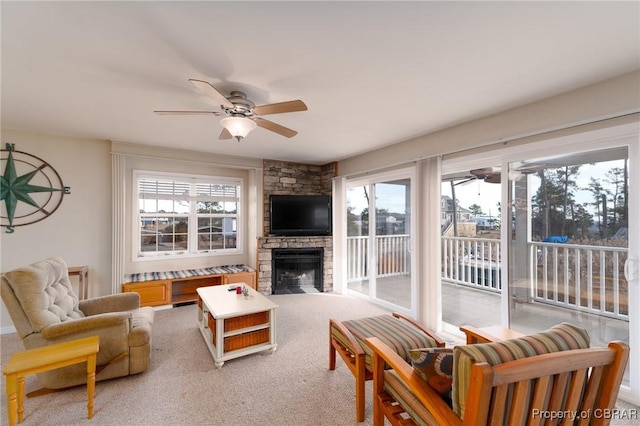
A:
[238, 126]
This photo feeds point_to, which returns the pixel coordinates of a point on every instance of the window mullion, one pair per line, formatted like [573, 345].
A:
[193, 219]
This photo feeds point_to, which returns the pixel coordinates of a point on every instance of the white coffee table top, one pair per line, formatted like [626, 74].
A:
[223, 303]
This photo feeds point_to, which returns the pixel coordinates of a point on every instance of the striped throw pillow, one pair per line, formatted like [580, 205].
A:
[558, 338]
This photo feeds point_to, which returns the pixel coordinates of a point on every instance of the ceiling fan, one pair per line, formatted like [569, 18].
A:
[242, 113]
[488, 174]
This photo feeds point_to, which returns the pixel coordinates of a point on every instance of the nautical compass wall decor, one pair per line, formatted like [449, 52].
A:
[30, 189]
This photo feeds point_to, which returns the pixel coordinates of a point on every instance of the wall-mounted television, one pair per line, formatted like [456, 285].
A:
[300, 215]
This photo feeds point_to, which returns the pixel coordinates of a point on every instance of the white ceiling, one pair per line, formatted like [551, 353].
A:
[371, 73]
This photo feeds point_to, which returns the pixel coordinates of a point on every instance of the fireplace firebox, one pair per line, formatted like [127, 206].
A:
[297, 270]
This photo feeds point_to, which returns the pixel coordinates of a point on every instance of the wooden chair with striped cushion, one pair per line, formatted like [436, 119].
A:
[398, 331]
[518, 381]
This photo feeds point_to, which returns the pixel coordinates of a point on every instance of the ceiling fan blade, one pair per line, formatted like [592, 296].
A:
[290, 106]
[488, 174]
[225, 134]
[207, 88]
[274, 127]
[186, 112]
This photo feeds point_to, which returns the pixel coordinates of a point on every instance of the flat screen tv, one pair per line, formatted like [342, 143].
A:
[300, 215]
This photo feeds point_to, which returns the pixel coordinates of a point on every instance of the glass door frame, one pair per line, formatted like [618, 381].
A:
[589, 140]
[370, 181]
[595, 140]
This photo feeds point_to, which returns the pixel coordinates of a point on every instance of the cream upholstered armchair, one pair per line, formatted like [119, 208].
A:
[45, 310]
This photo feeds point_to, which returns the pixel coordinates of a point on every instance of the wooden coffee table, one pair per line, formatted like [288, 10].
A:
[234, 325]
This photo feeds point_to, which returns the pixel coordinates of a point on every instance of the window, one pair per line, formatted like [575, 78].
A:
[180, 215]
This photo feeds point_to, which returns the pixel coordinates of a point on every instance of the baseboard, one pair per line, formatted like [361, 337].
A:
[7, 330]
[162, 307]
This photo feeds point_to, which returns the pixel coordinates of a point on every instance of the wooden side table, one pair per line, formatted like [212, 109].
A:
[494, 333]
[83, 280]
[47, 358]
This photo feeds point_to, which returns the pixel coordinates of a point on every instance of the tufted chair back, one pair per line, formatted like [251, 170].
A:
[45, 310]
[43, 293]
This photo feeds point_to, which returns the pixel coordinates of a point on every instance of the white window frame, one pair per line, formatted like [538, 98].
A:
[192, 216]
[369, 182]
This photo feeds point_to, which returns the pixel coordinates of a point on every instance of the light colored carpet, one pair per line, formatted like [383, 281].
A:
[292, 386]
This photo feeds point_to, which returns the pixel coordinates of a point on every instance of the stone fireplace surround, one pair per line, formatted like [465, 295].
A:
[281, 177]
[267, 244]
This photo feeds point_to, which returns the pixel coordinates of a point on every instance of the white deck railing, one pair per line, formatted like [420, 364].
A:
[580, 277]
[473, 262]
[392, 252]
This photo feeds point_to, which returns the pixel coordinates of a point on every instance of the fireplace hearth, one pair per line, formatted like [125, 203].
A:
[297, 270]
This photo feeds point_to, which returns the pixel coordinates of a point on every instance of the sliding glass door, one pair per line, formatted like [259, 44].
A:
[561, 242]
[379, 239]
[569, 243]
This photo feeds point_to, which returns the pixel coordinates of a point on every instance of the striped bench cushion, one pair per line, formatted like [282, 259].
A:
[560, 337]
[398, 334]
[398, 389]
[186, 273]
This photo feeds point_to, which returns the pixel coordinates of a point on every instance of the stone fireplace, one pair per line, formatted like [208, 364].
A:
[281, 177]
[267, 246]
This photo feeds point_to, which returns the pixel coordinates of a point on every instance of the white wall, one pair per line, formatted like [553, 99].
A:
[610, 98]
[79, 231]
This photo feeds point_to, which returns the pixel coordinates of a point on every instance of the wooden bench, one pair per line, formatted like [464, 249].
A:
[168, 288]
[347, 339]
[47, 358]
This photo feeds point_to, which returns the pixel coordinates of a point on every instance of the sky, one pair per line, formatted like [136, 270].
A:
[392, 196]
[487, 195]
